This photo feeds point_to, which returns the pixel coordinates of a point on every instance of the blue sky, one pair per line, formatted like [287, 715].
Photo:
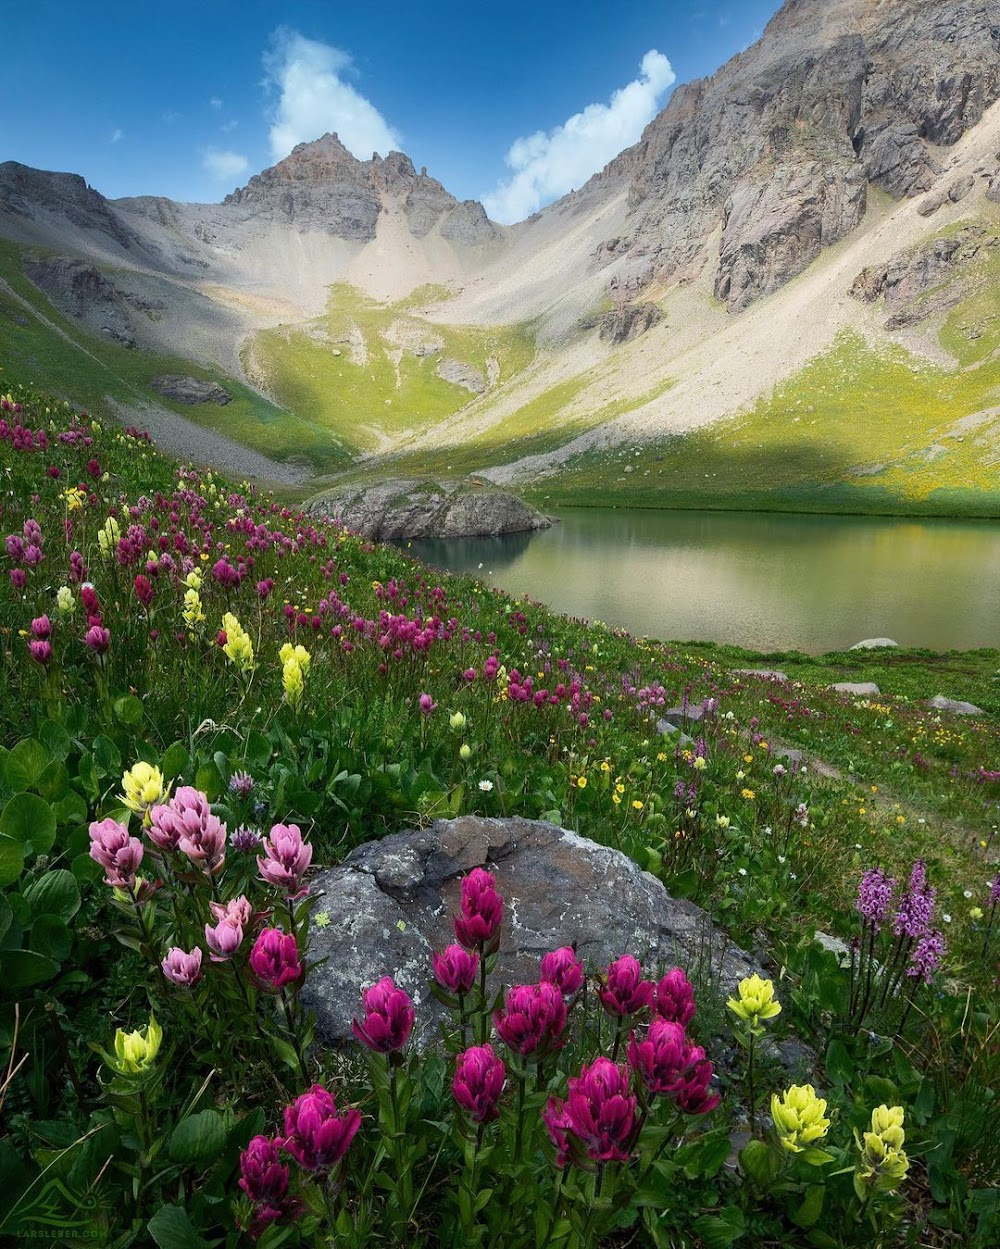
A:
[511, 103]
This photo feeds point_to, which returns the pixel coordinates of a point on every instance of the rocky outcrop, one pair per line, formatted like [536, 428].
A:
[459, 373]
[954, 706]
[190, 390]
[626, 321]
[29, 193]
[321, 186]
[927, 280]
[778, 146]
[390, 905]
[396, 510]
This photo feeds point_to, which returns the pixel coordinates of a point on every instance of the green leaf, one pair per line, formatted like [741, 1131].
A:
[55, 893]
[839, 1066]
[209, 781]
[51, 936]
[720, 1231]
[757, 1161]
[816, 1157]
[31, 821]
[707, 1155]
[258, 753]
[25, 764]
[55, 739]
[175, 760]
[84, 869]
[171, 1228]
[812, 1207]
[6, 916]
[198, 1137]
[54, 781]
[19, 969]
[107, 757]
[285, 1052]
[11, 860]
[128, 709]
[72, 809]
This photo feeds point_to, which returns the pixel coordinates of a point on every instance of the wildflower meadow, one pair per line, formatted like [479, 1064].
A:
[209, 695]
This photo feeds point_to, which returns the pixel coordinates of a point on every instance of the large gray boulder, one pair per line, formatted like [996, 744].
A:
[390, 905]
[954, 706]
[397, 509]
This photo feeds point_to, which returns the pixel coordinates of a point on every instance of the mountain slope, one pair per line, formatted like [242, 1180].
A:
[811, 188]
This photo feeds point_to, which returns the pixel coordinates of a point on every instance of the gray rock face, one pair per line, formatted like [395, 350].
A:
[190, 390]
[764, 674]
[628, 320]
[395, 510]
[926, 280]
[870, 644]
[778, 145]
[391, 903]
[321, 186]
[461, 374]
[954, 706]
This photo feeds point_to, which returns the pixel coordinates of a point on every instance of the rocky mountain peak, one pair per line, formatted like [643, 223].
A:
[321, 186]
[777, 149]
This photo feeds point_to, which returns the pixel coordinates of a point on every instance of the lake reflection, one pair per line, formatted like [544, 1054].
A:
[761, 580]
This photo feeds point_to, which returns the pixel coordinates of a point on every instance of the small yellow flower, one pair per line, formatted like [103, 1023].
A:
[976, 912]
[755, 1003]
[799, 1117]
[581, 782]
[75, 498]
[192, 611]
[193, 579]
[700, 763]
[65, 601]
[108, 537]
[142, 787]
[616, 799]
[457, 721]
[748, 794]
[298, 653]
[135, 1051]
[748, 758]
[238, 648]
[636, 804]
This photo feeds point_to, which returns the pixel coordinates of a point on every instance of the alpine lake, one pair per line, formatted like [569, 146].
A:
[764, 581]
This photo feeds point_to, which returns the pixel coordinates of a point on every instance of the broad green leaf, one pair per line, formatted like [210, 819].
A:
[11, 860]
[72, 809]
[55, 893]
[198, 1137]
[25, 764]
[21, 968]
[209, 781]
[51, 936]
[53, 782]
[171, 1228]
[812, 1207]
[720, 1231]
[31, 821]
[175, 760]
[6, 916]
[839, 1066]
[107, 757]
[55, 739]
[128, 709]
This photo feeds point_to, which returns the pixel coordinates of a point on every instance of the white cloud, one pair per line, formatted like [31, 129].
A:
[215, 102]
[314, 98]
[228, 126]
[117, 135]
[223, 165]
[547, 165]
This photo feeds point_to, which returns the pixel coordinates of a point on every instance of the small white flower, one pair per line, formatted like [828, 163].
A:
[792, 876]
[946, 917]
[782, 860]
[486, 786]
[742, 871]
[966, 893]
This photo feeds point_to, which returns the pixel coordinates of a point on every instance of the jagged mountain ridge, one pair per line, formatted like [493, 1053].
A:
[736, 187]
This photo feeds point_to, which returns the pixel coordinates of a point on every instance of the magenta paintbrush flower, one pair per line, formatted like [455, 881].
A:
[674, 998]
[478, 926]
[117, 852]
[317, 1136]
[624, 992]
[563, 969]
[182, 967]
[223, 939]
[388, 1017]
[285, 859]
[597, 1120]
[274, 959]
[479, 1080]
[456, 969]
[533, 1019]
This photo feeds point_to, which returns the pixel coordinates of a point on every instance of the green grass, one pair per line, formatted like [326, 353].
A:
[852, 432]
[86, 369]
[310, 369]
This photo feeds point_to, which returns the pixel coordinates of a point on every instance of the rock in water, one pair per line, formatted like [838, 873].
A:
[395, 510]
[391, 902]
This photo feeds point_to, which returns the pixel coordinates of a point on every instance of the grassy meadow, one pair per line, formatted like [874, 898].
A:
[209, 696]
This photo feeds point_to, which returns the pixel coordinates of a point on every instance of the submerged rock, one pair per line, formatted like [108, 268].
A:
[391, 902]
